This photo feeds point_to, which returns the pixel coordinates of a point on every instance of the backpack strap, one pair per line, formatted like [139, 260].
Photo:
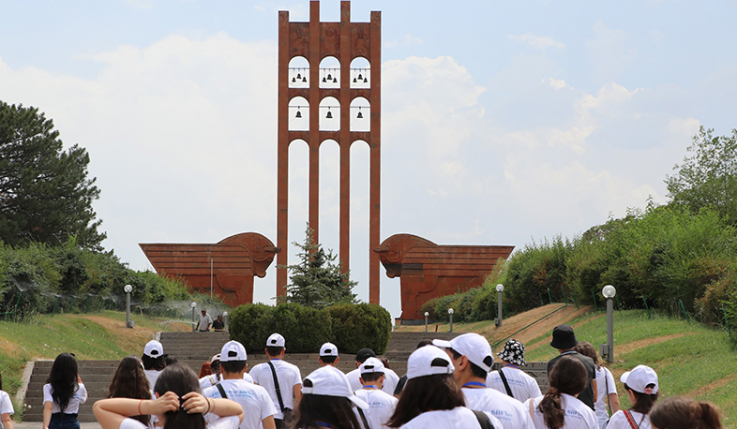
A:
[506, 385]
[363, 418]
[221, 390]
[483, 419]
[630, 420]
[276, 385]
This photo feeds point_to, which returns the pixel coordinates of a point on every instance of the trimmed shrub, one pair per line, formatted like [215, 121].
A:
[251, 325]
[360, 326]
[305, 329]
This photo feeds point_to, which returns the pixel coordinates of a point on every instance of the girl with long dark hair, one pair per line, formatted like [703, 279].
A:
[129, 381]
[678, 412]
[431, 397]
[560, 407]
[641, 385]
[606, 389]
[63, 394]
[179, 404]
[327, 402]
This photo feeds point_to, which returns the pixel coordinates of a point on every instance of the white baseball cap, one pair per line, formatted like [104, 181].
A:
[639, 378]
[330, 381]
[420, 362]
[216, 357]
[372, 366]
[153, 349]
[328, 349]
[275, 340]
[233, 351]
[475, 347]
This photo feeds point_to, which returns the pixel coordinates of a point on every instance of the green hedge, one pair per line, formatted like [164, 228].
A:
[305, 329]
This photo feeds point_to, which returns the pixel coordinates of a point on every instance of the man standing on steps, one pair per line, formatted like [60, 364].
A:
[205, 321]
[471, 355]
[564, 339]
[254, 399]
[381, 404]
[328, 355]
[287, 391]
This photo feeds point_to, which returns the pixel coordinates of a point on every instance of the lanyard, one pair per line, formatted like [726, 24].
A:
[513, 366]
[475, 384]
[323, 424]
[367, 386]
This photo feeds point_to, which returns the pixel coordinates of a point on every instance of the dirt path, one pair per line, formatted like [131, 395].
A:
[705, 390]
[626, 348]
[128, 339]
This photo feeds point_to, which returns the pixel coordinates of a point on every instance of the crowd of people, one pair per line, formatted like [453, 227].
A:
[448, 384]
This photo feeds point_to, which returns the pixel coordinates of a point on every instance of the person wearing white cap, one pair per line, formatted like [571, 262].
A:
[327, 402]
[214, 378]
[153, 362]
[381, 404]
[328, 355]
[432, 399]
[641, 385]
[254, 399]
[287, 391]
[472, 358]
[560, 408]
[516, 383]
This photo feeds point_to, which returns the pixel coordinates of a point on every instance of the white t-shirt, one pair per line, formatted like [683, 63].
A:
[152, 376]
[218, 423]
[354, 379]
[288, 376]
[205, 321]
[457, 418]
[511, 413]
[6, 405]
[523, 386]
[247, 377]
[578, 414]
[210, 380]
[79, 397]
[603, 378]
[381, 407]
[619, 420]
[253, 398]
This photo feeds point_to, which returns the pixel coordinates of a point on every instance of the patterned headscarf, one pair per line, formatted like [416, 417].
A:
[513, 352]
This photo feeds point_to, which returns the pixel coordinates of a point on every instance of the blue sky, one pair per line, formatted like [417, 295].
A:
[503, 122]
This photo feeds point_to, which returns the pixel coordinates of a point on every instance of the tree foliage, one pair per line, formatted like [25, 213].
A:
[708, 176]
[45, 193]
[317, 281]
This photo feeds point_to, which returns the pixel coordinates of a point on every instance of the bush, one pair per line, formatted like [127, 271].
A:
[360, 326]
[350, 327]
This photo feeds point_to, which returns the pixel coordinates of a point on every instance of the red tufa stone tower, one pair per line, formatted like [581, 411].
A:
[314, 41]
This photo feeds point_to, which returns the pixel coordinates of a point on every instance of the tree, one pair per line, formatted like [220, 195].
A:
[317, 281]
[45, 194]
[708, 176]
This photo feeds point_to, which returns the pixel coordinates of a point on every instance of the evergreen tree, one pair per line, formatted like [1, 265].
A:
[45, 194]
[317, 281]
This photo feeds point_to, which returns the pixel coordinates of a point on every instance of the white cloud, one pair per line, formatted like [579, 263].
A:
[539, 42]
[557, 83]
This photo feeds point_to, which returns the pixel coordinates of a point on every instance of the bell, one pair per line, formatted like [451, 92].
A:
[298, 115]
[304, 79]
[323, 79]
[294, 80]
[299, 75]
[360, 76]
[329, 115]
[354, 80]
[359, 116]
[330, 77]
[335, 80]
[365, 80]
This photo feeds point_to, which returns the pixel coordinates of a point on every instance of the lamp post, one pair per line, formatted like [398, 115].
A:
[607, 350]
[426, 314]
[499, 290]
[450, 314]
[225, 317]
[128, 289]
[194, 305]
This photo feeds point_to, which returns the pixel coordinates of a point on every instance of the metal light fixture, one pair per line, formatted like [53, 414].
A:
[128, 289]
[426, 314]
[607, 350]
[499, 290]
[450, 315]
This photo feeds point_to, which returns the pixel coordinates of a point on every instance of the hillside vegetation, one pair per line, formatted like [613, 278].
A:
[690, 358]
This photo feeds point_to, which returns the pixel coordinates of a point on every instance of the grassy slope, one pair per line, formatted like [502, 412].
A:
[89, 336]
[690, 359]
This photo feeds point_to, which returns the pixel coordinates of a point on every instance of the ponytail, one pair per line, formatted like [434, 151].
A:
[553, 413]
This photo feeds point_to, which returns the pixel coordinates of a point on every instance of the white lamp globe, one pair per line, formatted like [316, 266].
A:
[450, 311]
[193, 305]
[128, 288]
[500, 287]
[608, 291]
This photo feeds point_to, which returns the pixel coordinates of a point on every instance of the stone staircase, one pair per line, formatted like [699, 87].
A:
[194, 348]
